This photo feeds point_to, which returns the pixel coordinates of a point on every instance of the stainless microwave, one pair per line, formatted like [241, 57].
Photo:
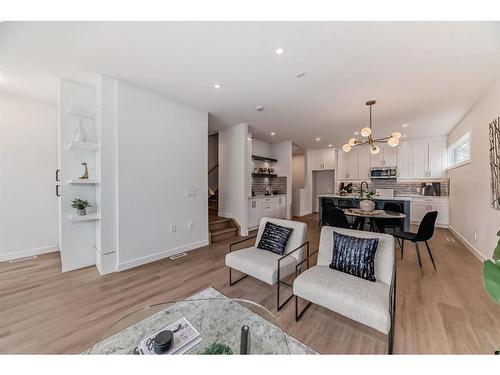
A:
[380, 173]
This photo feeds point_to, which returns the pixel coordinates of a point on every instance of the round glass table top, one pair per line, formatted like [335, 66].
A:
[217, 321]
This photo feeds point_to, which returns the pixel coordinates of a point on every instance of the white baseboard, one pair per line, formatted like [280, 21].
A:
[467, 244]
[28, 253]
[160, 255]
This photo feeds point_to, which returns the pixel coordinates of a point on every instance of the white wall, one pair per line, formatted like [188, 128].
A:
[28, 161]
[233, 176]
[298, 171]
[470, 193]
[162, 153]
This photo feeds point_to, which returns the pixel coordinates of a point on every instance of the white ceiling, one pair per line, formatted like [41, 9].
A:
[421, 73]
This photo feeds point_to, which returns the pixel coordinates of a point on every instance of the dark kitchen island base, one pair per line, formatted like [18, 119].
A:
[347, 202]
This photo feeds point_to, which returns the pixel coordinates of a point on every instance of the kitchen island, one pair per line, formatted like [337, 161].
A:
[353, 201]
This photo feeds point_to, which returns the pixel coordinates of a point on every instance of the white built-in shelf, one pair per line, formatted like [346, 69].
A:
[89, 217]
[89, 146]
[85, 112]
[88, 181]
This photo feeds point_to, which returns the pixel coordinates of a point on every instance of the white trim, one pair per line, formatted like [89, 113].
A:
[459, 164]
[467, 244]
[28, 253]
[160, 255]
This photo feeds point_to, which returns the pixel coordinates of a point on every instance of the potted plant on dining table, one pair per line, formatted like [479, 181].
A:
[366, 200]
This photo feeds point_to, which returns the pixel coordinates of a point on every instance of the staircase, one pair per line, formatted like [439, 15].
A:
[220, 228]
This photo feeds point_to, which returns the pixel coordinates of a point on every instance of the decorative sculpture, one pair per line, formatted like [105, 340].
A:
[85, 172]
[494, 130]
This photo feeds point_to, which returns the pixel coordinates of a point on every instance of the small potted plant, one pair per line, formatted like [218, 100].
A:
[81, 206]
[366, 200]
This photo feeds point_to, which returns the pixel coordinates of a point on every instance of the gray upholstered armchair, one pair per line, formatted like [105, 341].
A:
[266, 265]
[370, 303]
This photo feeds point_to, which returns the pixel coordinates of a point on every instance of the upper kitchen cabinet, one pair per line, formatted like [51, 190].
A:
[387, 157]
[428, 159]
[349, 165]
[322, 159]
[363, 164]
[404, 161]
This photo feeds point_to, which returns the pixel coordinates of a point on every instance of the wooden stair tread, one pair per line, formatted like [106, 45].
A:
[224, 230]
[218, 220]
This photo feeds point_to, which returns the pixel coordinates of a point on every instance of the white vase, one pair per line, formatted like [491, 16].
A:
[80, 133]
[367, 205]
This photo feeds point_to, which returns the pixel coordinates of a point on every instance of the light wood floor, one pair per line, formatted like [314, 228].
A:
[446, 311]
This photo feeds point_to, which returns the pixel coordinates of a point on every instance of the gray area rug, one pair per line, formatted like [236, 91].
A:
[217, 318]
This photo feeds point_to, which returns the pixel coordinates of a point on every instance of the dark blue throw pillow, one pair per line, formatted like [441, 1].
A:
[274, 238]
[354, 255]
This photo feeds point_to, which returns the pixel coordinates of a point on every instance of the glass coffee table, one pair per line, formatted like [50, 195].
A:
[219, 321]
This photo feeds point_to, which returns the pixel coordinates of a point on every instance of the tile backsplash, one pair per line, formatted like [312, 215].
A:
[403, 187]
[276, 183]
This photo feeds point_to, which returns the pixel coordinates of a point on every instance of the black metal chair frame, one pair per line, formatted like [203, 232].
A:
[392, 302]
[279, 282]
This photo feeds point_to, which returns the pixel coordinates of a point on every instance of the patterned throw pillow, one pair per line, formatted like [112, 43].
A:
[274, 238]
[354, 255]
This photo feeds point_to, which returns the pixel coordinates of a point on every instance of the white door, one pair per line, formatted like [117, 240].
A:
[437, 158]
[364, 164]
[404, 161]
[419, 159]
[352, 165]
[390, 156]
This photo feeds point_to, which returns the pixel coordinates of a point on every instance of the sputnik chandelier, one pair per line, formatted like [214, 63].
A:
[392, 140]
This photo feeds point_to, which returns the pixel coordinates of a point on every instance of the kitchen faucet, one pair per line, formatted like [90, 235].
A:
[361, 186]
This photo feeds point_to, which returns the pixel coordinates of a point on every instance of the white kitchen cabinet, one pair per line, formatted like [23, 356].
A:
[321, 159]
[420, 159]
[259, 207]
[387, 157]
[352, 165]
[421, 205]
[363, 164]
[281, 207]
[404, 161]
[342, 166]
[437, 158]
[254, 212]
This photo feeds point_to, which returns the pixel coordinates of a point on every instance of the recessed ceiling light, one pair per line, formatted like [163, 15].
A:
[272, 134]
[279, 51]
[300, 75]
[404, 135]
[318, 139]
[356, 133]
[216, 86]
[404, 125]
[259, 108]
[330, 145]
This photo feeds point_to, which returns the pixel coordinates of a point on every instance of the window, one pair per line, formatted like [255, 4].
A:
[459, 152]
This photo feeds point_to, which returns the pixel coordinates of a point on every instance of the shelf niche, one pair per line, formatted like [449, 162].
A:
[88, 181]
[74, 218]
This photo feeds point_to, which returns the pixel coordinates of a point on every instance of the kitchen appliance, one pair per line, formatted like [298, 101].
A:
[431, 188]
[383, 173]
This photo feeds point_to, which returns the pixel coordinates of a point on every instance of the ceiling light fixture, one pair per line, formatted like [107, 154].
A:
[259, 108]
[300, 75]
[330, 145]
[356, 133]
[216, 86]
[318, 139]
[272, 134]
[367, 132]
[404, 125]
[280, 51]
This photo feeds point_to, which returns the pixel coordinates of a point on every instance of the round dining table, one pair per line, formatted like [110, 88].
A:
[361, 216]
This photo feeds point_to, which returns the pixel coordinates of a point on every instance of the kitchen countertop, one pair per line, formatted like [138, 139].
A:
[406, 197]
[266, 196]
[355, 196]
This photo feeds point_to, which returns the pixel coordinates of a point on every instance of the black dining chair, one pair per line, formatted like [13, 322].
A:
[424, 233]
[335, 217]
[395, 224]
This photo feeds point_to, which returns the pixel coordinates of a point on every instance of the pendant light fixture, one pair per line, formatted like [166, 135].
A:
[392, 140]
